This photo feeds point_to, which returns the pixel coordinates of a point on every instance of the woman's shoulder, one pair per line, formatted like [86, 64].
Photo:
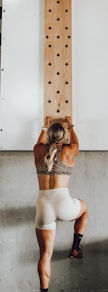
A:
[39, 152]
[40, 147]
[70, 148]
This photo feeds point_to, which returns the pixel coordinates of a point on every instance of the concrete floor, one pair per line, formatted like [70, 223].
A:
[18, 246]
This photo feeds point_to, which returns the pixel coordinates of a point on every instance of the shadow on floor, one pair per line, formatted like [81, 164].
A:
[10, 216]
[87, 275]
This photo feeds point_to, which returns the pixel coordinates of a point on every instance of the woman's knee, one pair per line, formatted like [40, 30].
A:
[83, 207]
[83, 214]
[46, 255]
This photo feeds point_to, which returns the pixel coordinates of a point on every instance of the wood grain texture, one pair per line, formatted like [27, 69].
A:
[57, 58]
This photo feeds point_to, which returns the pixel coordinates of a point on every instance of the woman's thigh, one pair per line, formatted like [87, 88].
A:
[83, 208]
[67, 209]
[45, 240]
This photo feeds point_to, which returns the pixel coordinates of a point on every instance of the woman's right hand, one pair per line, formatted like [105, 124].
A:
[48, 121]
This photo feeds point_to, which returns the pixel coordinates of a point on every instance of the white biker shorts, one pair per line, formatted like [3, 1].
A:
[53, 205]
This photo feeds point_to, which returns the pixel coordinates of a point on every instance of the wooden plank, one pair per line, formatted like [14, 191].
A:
[57, 59]
[0, 12]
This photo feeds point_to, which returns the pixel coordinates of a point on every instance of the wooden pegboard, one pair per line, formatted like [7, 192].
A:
[57, 58]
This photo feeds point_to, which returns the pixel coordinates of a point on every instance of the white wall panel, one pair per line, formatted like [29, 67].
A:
[90, 72]
[22, 96]
[22, 76]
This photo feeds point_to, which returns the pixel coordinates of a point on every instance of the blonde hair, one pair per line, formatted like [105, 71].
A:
[55, 134]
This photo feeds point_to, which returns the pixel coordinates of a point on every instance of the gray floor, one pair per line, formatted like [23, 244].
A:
[18, 246]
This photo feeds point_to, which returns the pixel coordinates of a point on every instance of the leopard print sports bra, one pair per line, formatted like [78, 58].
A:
[59, 168]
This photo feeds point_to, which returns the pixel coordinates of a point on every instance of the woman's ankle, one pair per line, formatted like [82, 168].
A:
[44, 290]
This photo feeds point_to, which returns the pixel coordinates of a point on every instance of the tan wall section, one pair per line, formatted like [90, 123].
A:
[57, 59]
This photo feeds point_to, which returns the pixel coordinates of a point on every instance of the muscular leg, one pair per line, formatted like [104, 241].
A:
[82, 219]
[45, 240]
[79, 228]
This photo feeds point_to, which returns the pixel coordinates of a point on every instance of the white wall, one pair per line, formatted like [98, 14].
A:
[0, 45]
[22, 101]
[22, 76]
[90, 72]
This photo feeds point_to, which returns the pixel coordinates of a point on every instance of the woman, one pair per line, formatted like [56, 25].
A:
[54, 161]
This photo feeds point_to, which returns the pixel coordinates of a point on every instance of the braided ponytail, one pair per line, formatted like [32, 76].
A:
[50, 157]
[55, 134]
